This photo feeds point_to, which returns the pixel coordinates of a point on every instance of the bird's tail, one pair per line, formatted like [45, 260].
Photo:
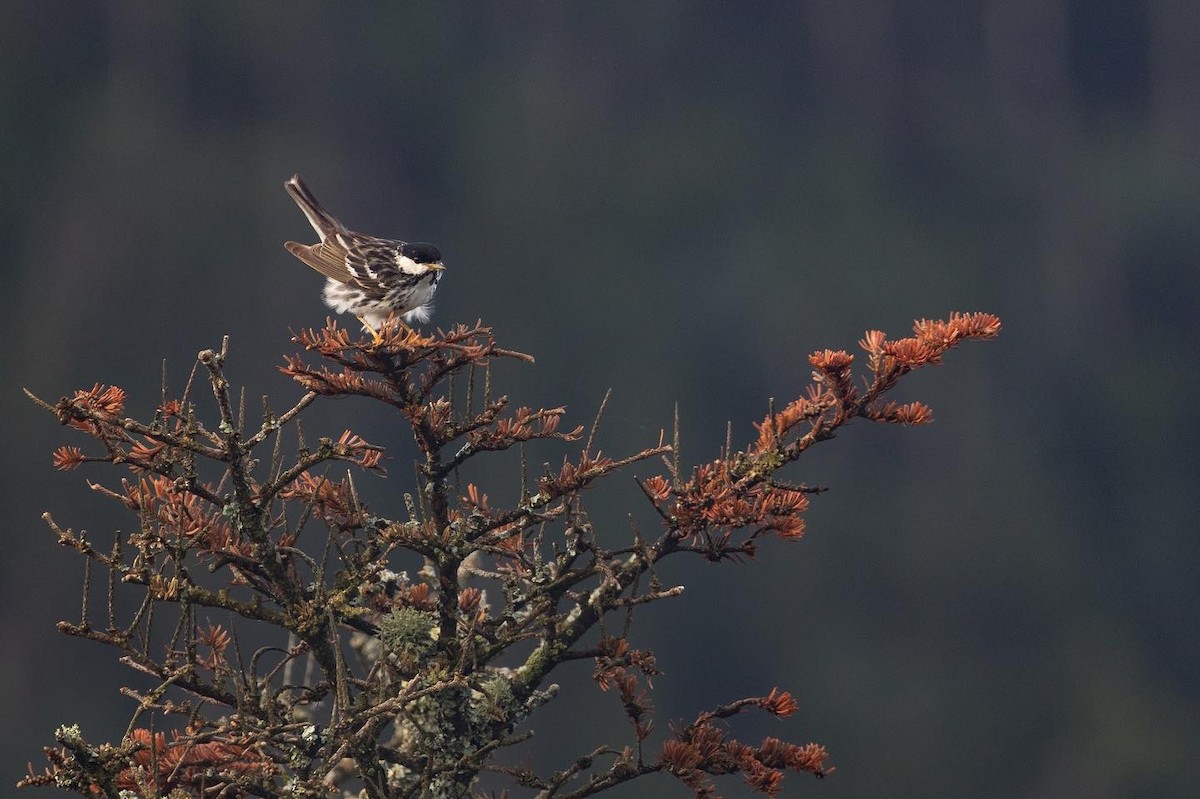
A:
[322, 222]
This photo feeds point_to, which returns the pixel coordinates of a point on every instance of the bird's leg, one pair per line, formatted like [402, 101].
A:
[401, 325]
[375, 334]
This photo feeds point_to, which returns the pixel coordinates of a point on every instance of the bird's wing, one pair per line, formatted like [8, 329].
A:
[370, 260]
[326, 258]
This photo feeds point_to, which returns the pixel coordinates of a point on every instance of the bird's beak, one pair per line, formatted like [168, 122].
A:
[436, 267]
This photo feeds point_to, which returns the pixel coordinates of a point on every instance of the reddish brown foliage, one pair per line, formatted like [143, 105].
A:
[67, 458]
[702, 750]
[188, 764]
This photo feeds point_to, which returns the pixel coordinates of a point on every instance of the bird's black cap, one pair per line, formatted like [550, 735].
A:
[421, 252]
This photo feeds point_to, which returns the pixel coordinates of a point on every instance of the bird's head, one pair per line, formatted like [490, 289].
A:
[419, 258]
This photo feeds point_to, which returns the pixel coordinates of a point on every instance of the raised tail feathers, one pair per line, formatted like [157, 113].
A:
[322, 222]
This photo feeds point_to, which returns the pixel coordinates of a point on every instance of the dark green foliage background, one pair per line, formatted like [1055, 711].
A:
[680, 201]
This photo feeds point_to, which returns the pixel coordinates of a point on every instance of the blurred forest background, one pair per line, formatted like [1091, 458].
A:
[680, 200]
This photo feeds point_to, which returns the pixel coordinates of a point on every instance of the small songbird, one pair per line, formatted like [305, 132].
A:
[367, 276]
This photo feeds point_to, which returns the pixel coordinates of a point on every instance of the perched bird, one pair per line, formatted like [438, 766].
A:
[367, 276]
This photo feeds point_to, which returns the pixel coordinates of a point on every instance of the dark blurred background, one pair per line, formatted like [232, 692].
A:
[679, 201]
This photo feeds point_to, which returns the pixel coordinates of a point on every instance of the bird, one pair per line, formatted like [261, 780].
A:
[367, 276]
